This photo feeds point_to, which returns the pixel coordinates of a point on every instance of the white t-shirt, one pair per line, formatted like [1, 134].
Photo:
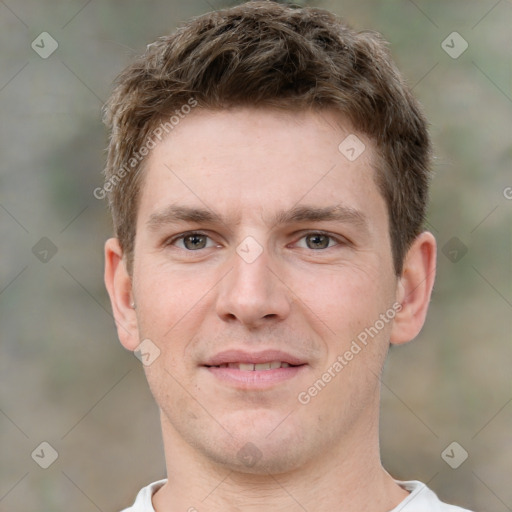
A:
[421, 499]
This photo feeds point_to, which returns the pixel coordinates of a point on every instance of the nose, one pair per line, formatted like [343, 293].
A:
[253, 293]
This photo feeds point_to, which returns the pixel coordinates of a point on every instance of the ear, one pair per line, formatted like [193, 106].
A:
[414, 288]
[119, 286]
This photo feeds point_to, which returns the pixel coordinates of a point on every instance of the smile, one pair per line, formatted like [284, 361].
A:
[251, 367]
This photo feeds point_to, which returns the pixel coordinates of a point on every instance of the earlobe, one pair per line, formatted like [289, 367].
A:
[119, 286]
[414, 288]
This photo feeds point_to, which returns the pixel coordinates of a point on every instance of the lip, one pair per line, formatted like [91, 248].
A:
[257, 379]
[263, 356]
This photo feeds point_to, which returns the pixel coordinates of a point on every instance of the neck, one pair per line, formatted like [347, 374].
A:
[348, 477]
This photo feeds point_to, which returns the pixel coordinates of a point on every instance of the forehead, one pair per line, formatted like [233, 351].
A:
[247, 160]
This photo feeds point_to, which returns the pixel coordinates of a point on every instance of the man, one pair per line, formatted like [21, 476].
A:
[267, 176]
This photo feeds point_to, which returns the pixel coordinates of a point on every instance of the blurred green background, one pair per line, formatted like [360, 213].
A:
[65, 379]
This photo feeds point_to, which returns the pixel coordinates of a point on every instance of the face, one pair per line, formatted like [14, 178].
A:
[260, 243]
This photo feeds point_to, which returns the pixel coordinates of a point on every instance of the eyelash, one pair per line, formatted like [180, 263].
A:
[171, 241]
[338, 240]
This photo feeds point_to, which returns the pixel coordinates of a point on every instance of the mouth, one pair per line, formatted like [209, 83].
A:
[252, 367]
[260, 370]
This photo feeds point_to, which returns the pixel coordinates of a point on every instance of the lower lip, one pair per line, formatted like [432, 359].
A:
[257, 378]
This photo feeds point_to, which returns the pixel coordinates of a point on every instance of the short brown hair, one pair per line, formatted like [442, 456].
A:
[270, 55]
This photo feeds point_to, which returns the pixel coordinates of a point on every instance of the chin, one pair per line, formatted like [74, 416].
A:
[253, 459]
[261, 446]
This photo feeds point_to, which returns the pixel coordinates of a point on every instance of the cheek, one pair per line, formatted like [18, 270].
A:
[172, 306]
[343, 301]
[166, 296]
[158, 314]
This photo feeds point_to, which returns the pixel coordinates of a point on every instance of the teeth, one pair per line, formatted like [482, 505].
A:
[249, 367]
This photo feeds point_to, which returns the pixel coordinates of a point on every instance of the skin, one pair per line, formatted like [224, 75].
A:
[308, 298]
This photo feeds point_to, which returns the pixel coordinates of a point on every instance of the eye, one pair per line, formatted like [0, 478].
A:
[318, 241]
[192, 241]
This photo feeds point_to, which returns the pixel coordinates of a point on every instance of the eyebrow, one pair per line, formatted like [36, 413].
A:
[329, 213]
[174, 214]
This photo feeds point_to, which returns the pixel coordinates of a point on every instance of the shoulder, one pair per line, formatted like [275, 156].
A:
[422, 499]
[143, 500]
